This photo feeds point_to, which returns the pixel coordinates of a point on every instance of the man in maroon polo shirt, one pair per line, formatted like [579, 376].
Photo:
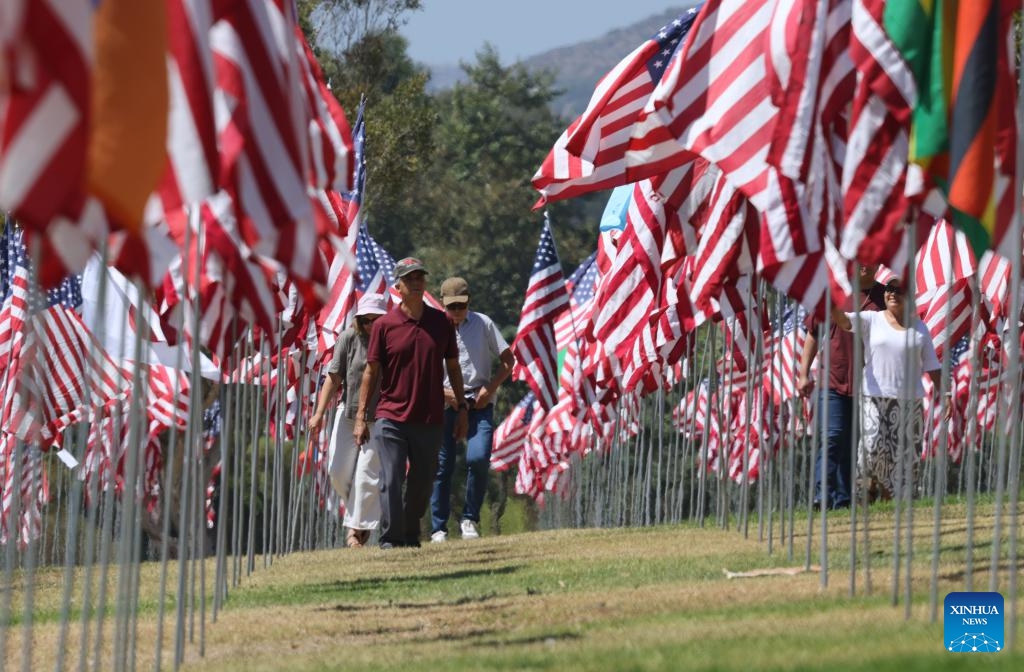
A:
[835, 456]
[407, 349]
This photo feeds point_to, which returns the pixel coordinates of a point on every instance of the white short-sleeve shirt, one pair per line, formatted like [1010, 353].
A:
[480, 343]
[886, 350]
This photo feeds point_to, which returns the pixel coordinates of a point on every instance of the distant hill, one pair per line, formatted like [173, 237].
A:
[579, 66]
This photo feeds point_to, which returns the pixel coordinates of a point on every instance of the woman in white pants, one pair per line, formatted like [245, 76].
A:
[354, 472]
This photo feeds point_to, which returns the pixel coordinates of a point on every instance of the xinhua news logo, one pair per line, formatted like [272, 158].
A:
[973, 622]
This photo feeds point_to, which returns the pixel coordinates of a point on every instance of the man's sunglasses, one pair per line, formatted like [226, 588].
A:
[457, 306]
[893, 288]
[365, 321]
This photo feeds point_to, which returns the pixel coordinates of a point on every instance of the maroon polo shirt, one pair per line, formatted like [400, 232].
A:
[411, 355]
[840, 343]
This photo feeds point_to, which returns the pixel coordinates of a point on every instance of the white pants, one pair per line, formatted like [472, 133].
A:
[355, 475]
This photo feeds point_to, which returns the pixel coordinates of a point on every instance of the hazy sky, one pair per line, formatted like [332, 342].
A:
[445, 31]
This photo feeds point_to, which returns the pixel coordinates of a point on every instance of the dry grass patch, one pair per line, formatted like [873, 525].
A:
[645, 599]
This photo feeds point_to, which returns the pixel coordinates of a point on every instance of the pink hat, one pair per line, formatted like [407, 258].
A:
[372, 304]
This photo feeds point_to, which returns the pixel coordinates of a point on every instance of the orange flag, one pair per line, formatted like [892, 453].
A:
[128, 128]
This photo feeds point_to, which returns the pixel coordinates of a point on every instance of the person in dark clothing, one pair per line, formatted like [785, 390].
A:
[410, 349]
[837, 397]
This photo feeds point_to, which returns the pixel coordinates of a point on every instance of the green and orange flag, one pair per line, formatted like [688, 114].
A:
[128, 121]
[963, 127]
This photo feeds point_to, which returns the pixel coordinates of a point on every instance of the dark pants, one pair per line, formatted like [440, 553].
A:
[838, 449]
[398, 443]
[478, 463]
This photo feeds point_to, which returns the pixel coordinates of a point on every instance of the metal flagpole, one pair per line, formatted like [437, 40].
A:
[167, 496]
[11, 547]
[32, 456]
[940, 472]
[1015, 354]
[856, 404]
[822, 492]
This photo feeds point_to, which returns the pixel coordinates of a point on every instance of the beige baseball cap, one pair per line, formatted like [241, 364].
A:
[454, 290]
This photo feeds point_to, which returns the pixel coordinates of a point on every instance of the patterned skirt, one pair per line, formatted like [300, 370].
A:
[882, 445]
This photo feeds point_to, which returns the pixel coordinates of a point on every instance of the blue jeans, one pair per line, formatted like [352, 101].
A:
[478, 463]
[838, 449]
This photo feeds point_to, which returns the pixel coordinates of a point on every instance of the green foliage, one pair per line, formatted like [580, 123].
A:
[400, 120]
[449, 175]
[476, 218]
[340, 24]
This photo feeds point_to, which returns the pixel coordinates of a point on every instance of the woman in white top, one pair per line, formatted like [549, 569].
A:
[893, 348]
[354, 470]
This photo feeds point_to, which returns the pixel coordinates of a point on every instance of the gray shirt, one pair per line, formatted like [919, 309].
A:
[480, 343]
[349, 361]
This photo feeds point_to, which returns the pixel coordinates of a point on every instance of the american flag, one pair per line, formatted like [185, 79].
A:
[741, 321]
[580, 285]
[354, 198]
[715, 101]
[55, 371]
[784, 347]
[20, 296]
[994, 282]
[234, 290]
[948, 313]
[631, 302]
[725, 250]
[262, 119]
[46, 77]
[691, 416]
[566, 418]
[955, 428]
[629, 291]
[374, 266]
[167, 401]
[751, 433]
[33, 490]
[341, 301]
[193, 161]
[44, 109]
[589, 156]
[168, 394]
[330, 139]
[546, 299]
[812, 78]
[511, 434]
[959, 360]
[876, 162]
[945, 258]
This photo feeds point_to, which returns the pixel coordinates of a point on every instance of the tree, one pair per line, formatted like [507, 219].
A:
[400, 120]
[362, 54]
[475, 217]
[340, 24]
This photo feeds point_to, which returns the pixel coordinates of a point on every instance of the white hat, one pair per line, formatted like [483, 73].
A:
[372, 304]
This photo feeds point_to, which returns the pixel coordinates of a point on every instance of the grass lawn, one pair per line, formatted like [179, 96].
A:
[629, 599]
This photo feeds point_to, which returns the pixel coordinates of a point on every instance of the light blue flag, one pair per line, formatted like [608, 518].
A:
[614, 216]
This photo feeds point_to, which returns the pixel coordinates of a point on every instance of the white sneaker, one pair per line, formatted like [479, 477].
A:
[439, 537]
[469, 530]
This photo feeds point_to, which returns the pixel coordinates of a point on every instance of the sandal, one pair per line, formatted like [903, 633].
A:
[354, 539]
